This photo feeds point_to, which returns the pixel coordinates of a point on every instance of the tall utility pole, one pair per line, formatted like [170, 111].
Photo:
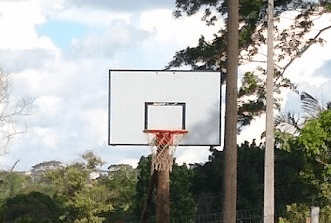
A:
[269, 166]
[231, 114]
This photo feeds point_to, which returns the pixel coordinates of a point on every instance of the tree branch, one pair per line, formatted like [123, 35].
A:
[11, 170]
[305, 49]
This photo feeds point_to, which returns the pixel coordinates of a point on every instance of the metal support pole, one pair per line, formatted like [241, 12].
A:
[269, 166]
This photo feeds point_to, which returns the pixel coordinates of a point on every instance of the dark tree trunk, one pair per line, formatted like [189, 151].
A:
[162, 197]
[231, 114]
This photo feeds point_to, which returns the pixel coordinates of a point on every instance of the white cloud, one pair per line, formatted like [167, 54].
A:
[253, 131]
[92, 17]
[96, 123]
[191, 155]
[50, 8]
[113, 38]
[183, 31]
[123, 5]
[18, 26]
[15, 60]
[304, 69]
[310, 73]
[71, 87]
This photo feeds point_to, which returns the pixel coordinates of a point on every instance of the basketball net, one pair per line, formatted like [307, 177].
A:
[163, 144]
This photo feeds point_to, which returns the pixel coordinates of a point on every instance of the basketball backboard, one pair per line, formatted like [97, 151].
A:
[163, 99]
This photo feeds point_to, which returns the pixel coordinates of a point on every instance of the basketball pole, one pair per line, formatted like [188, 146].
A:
[163, 144]
[159, 180]
[162, 196]
[162, 193]
[269, 166]
[231, 114]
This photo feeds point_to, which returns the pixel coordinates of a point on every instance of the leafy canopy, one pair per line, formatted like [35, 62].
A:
[312, 138]
[290, 43]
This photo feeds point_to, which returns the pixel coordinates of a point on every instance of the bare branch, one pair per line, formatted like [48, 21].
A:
[12, 169]
[310, 43]
[11, 109]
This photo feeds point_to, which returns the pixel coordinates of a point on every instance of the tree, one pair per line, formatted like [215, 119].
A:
[207, 183]
[311, 137]
[11, 109]
[231, 113]
[92, 161]
[84, 199]
[11, 184]
[80, 197]
[43, 166]
[122, 182]
[181, 201]
[250, 176]
[143, 186]
[208, 179]
[290, 43]
[32, 207]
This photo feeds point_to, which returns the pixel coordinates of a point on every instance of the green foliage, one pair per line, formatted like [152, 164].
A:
[291, 43]
[313, 142]
[328, 6]
[11, 184]
[288, 180]
[249, 84]
[181, 200]
[316, 137]
[208, 181]
[207, 185]
[32, 207]
[123, 184]
[250, 174]
[92, 160]
[68, 194]
[203, 57]
[144, 177]
[84, 199]
[301, 212]
[296, 213]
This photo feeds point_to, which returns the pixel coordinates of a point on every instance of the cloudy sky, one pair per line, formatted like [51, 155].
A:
[59, 52]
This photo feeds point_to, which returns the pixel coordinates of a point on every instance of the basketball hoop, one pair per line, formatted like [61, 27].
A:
[163, 144]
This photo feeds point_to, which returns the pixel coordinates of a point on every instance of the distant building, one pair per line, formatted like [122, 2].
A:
[38, 171]
[98, 173]
[48, 165]
[117, 167]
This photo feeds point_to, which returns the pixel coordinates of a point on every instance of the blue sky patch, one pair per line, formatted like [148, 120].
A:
[62, 32]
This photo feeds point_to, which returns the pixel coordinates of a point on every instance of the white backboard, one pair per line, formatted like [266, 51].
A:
[155, 99]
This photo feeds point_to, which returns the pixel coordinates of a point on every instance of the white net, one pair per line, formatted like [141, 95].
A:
[163, 145]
